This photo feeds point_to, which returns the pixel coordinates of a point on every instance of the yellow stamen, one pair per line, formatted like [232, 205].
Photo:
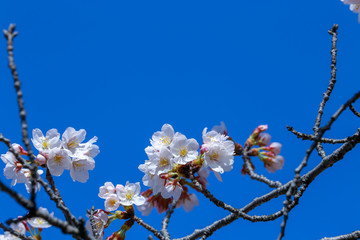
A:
[163, 162]
[183, 151]
[214, 156]
[78, 166]
[165, 140]
[129, 195]
[58, 160]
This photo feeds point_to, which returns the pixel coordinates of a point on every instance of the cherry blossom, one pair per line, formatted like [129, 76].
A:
[219, 154]
[183, 149]
[106, 190]
[58, 160]
[221, 129]
[112, 202]
[71, 139]
[45, 143]
[188, 202]
[172, 189]
[39, 222]
[163, 137]
[13, 169]
[129, 194]
[79, 169]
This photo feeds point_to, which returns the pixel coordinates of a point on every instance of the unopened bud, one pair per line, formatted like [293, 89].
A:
[41, 159]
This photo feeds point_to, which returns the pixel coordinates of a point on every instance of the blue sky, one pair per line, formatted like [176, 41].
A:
[121, 69]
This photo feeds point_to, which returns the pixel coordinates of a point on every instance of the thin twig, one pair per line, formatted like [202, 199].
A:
[354, 110]
[311, 137]
[60, 203]
[15, 233]
[255, 176]
[326, 95]
[351, 236]
[10, 34]
[149, 228]
[166, 220]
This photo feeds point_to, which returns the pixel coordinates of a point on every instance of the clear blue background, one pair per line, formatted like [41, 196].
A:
[121, 69]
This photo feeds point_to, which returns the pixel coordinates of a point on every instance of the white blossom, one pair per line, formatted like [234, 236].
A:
[71, 139]
[130, 194]
[220, 128]
[106, 190]
[27, 173]
[145, 208]
[38, 222]
[188, 202]
[161, 161]
[219, 154]
[172, 189]
[183, 149]
[45, 143]
[163, 137]
[112, 202]
[13, 169]
[80, 167]
[58, 160]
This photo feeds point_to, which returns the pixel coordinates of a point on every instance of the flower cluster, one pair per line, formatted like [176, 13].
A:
[55, 154]
[173, 159]
[354, 6]
[170, 157]
[120, 195]
[268, 153]
[68, 153]
[168, 149]
[34, 226]
[14, 169]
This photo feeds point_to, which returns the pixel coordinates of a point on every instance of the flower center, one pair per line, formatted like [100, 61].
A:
[78, 166]
[163, 162]
[73, 143]
[214, 156]
[45, 144]
[183, 151]
[58, 160]
[165, 140]
[129, 195]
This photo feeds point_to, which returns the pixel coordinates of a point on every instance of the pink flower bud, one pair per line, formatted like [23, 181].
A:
[19, 149]
[274, 164]
[203, 148]
[41, 159]
[263, 139]
[275, 147]
[262, 128]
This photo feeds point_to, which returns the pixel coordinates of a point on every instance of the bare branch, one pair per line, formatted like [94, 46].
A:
[332, 82]
[255, 176]
[10, 34]
[166, 220]
[311, 137]
[354, 110]
[15, 233]
[351, 236]
[148, 227]
[59, 201]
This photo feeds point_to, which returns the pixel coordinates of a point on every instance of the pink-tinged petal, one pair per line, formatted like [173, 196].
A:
[168, 130]
[139, 200]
